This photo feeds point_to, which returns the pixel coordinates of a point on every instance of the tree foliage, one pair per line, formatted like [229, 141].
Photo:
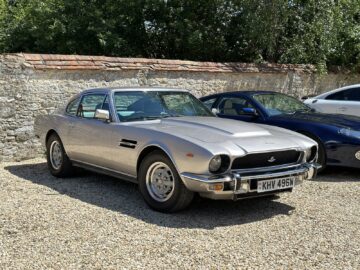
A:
[320, 32]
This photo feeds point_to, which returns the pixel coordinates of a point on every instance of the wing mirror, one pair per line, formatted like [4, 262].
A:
[250, 111]
[214, 111]
[102, 115]
[307, 97]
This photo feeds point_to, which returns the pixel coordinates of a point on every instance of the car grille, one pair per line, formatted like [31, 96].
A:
[260, 160]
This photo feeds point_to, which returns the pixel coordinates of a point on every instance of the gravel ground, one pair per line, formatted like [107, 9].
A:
[97, 222]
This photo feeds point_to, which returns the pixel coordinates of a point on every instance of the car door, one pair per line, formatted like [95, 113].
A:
[90, 138]
[326, 105]
[345, 101]
[238, 108]
[351, 103]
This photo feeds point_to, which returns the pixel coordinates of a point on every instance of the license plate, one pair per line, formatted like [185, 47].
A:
[275, 184]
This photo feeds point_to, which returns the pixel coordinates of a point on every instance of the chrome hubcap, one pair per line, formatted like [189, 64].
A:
[160, 181]
[55, 155]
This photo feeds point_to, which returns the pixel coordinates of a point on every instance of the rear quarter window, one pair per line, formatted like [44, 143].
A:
[72, 107]
[209, 102]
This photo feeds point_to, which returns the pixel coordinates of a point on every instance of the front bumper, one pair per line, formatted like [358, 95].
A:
[243, 184]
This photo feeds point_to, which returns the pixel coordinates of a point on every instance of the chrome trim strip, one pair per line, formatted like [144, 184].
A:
[201, 183]
[127, 144]
[104, 170]
[204, 179]
[274, 175]
[298, 162]
[265, 169]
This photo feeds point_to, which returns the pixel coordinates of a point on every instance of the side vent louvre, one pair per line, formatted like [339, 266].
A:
[128, 143]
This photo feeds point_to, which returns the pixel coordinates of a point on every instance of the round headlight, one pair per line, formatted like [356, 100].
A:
[215, 164]
[219, 164]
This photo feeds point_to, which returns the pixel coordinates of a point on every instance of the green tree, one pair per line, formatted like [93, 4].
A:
[3, 17]
[323, 33]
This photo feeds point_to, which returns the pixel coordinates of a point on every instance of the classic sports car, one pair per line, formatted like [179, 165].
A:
[345, 100]
[169, 143]
[338, 136]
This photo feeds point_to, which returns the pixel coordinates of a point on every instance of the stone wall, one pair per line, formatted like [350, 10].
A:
[32, 84]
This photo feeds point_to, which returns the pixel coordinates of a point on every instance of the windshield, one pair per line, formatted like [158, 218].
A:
[275, 104]
[149, 105]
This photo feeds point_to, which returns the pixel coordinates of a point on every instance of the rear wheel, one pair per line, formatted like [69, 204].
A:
[58, 162]
[160, 184]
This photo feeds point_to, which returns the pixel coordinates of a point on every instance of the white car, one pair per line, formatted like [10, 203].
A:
[345, 100]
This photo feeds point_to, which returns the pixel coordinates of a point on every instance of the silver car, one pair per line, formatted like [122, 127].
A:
[172, 146]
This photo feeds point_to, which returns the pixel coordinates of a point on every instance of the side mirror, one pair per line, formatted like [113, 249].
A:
[102, 115]
[214, 111]
[307, 97]
[250, 111]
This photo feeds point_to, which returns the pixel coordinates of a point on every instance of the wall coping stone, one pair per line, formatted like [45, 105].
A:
[105, 63]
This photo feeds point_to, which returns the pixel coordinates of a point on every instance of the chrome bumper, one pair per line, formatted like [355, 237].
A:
[243, 184]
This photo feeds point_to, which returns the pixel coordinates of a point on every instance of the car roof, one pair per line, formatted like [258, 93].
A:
[133, 88]
[248, 92]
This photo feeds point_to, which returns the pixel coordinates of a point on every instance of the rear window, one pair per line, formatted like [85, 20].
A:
[352, 94]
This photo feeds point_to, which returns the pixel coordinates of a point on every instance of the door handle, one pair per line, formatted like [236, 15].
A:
[343, 109]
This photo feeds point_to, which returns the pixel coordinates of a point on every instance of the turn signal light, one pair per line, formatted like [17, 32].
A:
[217, 187]
[244, 186]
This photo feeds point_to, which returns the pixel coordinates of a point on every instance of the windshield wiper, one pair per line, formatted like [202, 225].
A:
[146, 117]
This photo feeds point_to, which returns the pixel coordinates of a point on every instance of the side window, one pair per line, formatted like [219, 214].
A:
[89, 104]
[341, 95]
[352, 94]
[209, 103]
[336, 96]
[233, 106]
[72, 107]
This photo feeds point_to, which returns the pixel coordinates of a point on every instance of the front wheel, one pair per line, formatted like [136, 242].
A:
[160, 184]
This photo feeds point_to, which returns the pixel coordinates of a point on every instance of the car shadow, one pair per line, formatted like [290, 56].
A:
[339, 174]
[124, 197]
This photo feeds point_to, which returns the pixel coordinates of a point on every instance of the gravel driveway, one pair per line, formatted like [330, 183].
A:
[96, 222]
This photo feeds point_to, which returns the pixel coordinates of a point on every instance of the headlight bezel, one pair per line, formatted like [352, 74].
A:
[223, 165]
[311, 154]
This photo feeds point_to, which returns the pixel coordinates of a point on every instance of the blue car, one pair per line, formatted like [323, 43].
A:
[338, 135]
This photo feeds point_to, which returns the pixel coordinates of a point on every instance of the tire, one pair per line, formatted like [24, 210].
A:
[160, 184]
[58, 162]
[321, 151]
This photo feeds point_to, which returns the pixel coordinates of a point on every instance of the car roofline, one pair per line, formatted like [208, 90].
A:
[324, 95]
[133, 89]
[246, 92]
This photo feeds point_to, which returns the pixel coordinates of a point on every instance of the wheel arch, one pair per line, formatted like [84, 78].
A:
[315, 138]
[311, 135]
[49, 133]
[151, 148]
